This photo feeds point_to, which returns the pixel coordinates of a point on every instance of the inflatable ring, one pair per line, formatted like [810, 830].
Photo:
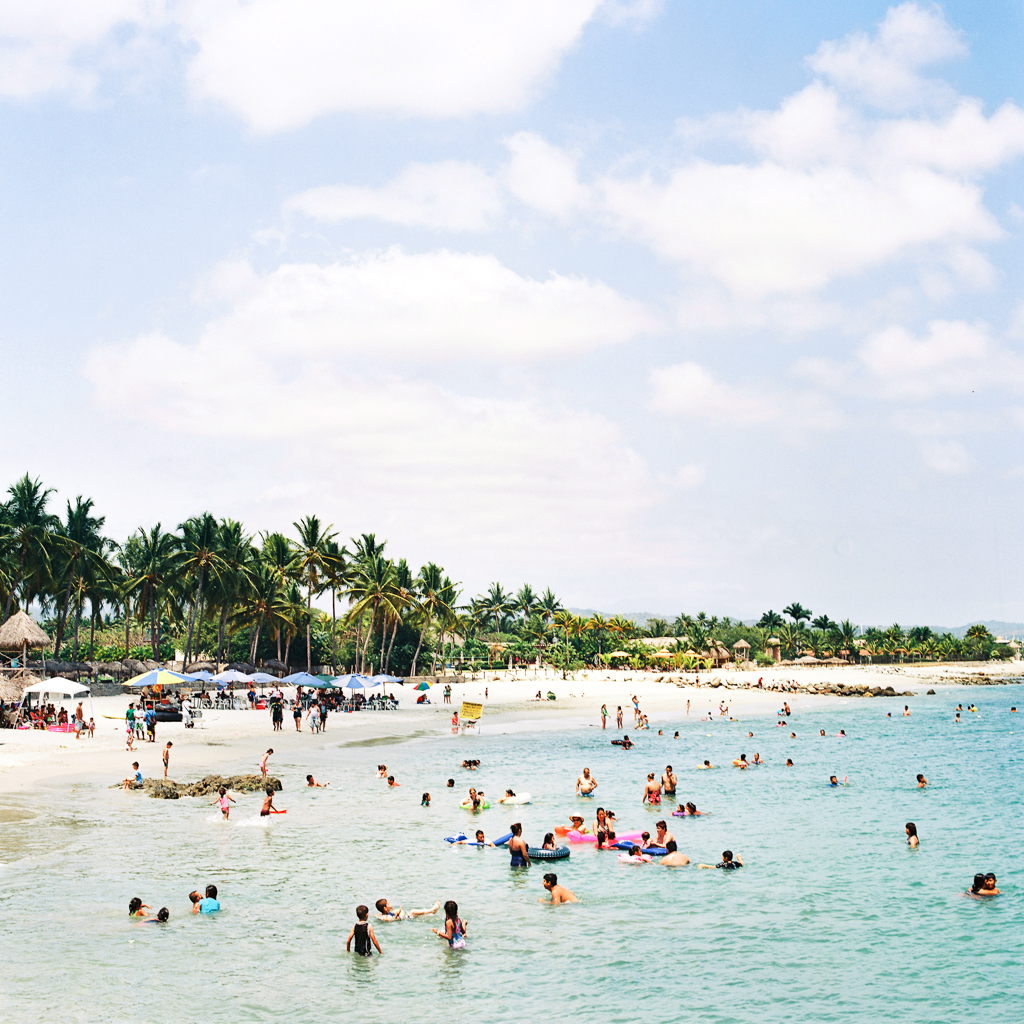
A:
[456, 839]
[560, 853]
[522, 798]
[484, 804]
[644, 858]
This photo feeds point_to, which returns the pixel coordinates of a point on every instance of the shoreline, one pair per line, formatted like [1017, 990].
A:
[231, 742]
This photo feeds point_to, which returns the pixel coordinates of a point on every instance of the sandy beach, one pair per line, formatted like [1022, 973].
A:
[232, 741]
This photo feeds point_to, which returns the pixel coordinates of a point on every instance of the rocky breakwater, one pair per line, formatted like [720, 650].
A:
[209, 785]
[784, 686]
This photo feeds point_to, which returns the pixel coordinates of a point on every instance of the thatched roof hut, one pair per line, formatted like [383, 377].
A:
[20, 632]
[12, 689]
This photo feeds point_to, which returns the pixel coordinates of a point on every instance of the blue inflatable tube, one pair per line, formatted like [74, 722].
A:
[456, 839]
[503, 840]
[623, 844]
[560, 853]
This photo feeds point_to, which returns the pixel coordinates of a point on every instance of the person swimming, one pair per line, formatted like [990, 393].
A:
[833, 781]
[921, 782]
[912, 839]
[136, 908]
[706, 764]
[789, 762]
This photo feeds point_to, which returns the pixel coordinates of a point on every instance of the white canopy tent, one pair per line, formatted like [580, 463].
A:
[56, 690]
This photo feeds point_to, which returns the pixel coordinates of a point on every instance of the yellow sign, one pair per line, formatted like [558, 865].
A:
[471, 711]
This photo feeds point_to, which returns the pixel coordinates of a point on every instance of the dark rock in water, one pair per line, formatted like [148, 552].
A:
[209, 785]
[930, 693]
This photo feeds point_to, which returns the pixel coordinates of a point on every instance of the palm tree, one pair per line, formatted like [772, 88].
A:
[82, 540]
[371, 589]
[797, 612]
[29, 527]
[824, 623]
[770, 621]
[656, 627]
[313, 564]
[200, 559]
[428, 585]
[336, 577]
[276, 552]
[153, 578]
[525, 601]
[548, 604]
[401, 599]
[496, 604]
[598, 624]
[238, 554]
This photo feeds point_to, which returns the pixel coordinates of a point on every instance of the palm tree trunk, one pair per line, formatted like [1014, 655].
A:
[394, 633]
[127, 623]
[334, 634]
[359, 642]
[383, 639]
[256, 640]
[153, 643]
[415, 657]
[220, 633]
[192, 617]
[78, 622]
[309, 617]
[92, 630]
[369, 633]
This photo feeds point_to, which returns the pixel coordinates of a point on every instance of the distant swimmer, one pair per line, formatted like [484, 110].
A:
[727, 863]
[822, 733]
[841, 733]
[625, 743]
[973, 707]
[673, 859]
[789, 762]
[741, 761]
[1013, 711]
[957, 719]
[225, 801]
[311, 783]
[792, 735]
[668, 780]
[518, 848]
[586, 784]
[990, 886]
[391, 782]
[921, 782]
[833, 781]
[559, 893]
[382, 771]
[757, 759]
[509, 797]
[362, 932]
[425, 800]
[451, 783]
[652, 791]
[912, 839]
[163, 915]
[208, 904]
[706, 764]
[906, 711]
[676, 736]
[749, 734]
[385, 912]
[959, 707]
[479, 841]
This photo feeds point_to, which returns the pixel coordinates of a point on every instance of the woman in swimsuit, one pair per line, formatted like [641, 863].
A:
[517, 848]
[912, 839]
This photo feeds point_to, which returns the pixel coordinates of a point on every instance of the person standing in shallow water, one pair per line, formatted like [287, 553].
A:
[362, 932]
[604, 716]
[518, 848]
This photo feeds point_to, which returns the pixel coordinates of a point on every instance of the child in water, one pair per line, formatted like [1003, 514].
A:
[268, 804]
[454, 927]
[362, 932]
[162, 917]
[549, 841]
[225, 802]
[136, 908]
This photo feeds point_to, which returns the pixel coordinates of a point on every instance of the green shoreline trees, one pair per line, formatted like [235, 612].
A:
[214, 593]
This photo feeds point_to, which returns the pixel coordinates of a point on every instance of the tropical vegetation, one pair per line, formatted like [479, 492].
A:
[209, 589]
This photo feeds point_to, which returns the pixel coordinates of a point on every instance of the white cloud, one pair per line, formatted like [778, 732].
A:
[51, 45]
[949, 457]
[544, 176]
[501, 476]
[432, 306]
[884, 69]
[450, 195]
[688, 390]
[279, 65]
[952, 357]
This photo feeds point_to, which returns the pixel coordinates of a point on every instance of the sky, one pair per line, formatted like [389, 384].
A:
[669, 306]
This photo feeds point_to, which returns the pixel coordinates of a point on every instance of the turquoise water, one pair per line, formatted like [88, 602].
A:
[833, 918]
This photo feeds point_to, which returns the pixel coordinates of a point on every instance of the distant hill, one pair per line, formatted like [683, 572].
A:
[1007, 630]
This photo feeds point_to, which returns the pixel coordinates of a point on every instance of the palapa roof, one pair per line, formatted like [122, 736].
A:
[741, 643]
[21, 631]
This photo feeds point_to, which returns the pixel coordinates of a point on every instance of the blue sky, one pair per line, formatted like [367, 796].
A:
[671, 306]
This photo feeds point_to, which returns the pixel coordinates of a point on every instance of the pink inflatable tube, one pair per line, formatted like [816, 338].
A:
[579, 837]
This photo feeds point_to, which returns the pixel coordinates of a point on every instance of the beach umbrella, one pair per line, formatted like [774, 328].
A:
[618, 654]
[263, 677]
[423, 686]
[302, 679]
[231, 675]
[383, 677]
[159, 677]
[201, 676]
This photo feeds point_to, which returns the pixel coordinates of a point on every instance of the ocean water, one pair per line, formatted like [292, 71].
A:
[833, 918]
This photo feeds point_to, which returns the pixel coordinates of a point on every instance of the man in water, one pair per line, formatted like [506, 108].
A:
[586, 783]
[833, 781]
[559, 893]
[921, 782]
[481, 840]
[311, 783]
[906, 711]
[706, 764]
[208, 904]
[518, 848]
[668, 780]
[673, 859]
